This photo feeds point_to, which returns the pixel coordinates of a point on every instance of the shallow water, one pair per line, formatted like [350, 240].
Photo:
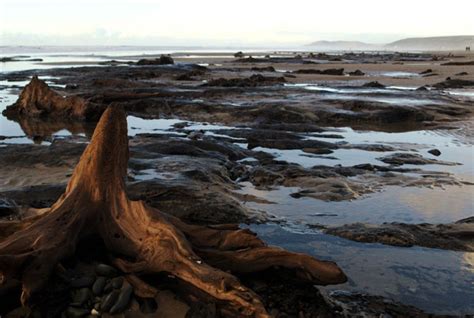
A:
[435, 280]
[431, 279]
[394, 95]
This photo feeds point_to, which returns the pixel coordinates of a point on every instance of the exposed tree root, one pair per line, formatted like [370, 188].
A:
[141, 239]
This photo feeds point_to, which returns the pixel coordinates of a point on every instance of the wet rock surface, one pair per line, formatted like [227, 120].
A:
[458, 236]
[413, 159]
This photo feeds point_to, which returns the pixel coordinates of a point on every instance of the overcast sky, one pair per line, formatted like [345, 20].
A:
[237, 22]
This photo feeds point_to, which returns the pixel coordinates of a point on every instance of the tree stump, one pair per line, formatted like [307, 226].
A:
[141, 239]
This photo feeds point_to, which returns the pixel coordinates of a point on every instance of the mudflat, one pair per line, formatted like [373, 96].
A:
[293, 140]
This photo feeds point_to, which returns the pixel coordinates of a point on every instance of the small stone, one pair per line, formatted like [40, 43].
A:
[117, 282]
[435, 152]
[84, 281]
[73, 312]
[108, 288]
[106, 270]
[94, 312]
[98, 287]
[123, 300]
[109, 301]
[82, 295]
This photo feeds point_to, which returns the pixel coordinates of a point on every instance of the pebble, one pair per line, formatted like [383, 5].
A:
[82, 295]
[109, 301]
[72, 312]
[108, 288]
[117, 282]
[122, 301]
[106, 270]
[98, 287]
[84, 281]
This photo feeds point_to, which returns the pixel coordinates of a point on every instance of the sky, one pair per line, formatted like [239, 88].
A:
[231, 23]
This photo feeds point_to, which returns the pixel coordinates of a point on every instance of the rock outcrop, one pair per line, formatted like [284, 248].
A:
[37, 99]
[252, 81]
[162, 60]
[454, 236]
[330, 71]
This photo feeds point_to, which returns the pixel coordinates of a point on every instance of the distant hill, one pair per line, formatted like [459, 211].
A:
[438, 43]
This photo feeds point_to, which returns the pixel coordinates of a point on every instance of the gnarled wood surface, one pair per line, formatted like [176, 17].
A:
[142, 239]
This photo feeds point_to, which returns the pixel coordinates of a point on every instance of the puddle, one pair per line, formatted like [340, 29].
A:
[434, 280]
[395, 74]
[393, 204]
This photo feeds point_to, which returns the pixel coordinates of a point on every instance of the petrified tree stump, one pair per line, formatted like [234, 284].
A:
[140, 238]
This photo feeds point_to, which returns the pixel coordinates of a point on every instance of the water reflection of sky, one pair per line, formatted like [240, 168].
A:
[393, 204]
[431, 279]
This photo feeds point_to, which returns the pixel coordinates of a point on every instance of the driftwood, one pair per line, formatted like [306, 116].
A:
[141, 239]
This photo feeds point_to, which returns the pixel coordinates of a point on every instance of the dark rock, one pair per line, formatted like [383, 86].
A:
[7, 207]
[72, 86]
[453, 236]
[331, 71]
[426, 72]
[435, 152]
[263, 69]
[357, 73]
[83, 281]
[252, 81]
[462, 74]
[239, 54]
[106, 270]
[454, 83]
[422, 88]
[374, 84]
[99, 285]
[459, 63]
[123, 300]
[412, 159]
[162, 60]
[117, 282]
[82, 296]
[109, 301]
[73, 312]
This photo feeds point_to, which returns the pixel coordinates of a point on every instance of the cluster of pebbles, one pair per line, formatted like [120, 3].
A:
[102, 293]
